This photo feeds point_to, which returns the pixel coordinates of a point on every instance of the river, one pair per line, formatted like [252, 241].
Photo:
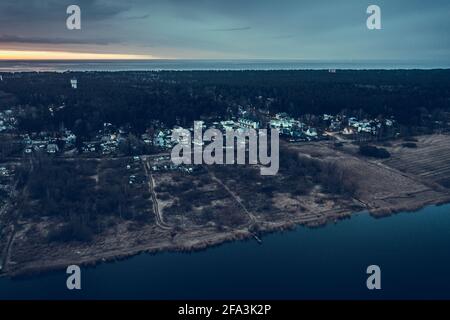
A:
[412, 249]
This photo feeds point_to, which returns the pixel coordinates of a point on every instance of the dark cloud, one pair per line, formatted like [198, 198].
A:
[38, 10]
[304, 29]
[141, 17]
[231, 29]
[38, 40]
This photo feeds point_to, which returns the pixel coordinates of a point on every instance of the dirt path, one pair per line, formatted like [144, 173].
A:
[7, 251]
[252, 217]
[3, 211]
[151, 187]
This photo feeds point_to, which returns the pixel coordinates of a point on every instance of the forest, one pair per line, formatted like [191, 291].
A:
[137, 99]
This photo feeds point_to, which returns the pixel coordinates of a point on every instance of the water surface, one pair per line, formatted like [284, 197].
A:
[412, 249]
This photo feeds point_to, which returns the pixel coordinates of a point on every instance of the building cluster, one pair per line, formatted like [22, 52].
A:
[162, 139]
[50, 143]
[293, 129]
[109, 138]
[164, 164]
[106, 141]
[134, 177]
[8, 121]
[6, 172]
[6, 181]
[352, 126]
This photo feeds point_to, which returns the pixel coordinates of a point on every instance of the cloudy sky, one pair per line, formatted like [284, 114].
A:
[226, 29]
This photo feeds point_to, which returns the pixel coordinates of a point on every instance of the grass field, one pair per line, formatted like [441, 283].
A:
[430, 161]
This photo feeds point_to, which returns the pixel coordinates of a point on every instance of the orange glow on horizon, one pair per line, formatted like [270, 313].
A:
[61, 55]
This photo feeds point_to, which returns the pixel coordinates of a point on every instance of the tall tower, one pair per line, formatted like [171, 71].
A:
[74, 83]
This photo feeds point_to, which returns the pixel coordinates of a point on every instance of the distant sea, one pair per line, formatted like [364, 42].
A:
[184, 65]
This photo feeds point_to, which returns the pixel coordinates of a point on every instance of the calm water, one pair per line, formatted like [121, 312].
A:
[412, 249]
[151, 65]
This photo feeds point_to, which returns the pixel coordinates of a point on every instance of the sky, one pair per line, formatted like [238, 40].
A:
[225, 29]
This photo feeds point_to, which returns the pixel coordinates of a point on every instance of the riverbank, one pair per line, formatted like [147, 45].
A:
[193, 241]
[305, 263]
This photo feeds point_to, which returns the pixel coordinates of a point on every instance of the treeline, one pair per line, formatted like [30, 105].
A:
[88, 197]
[137, 98]
[374, 152]
[303, 173]
[298, 176]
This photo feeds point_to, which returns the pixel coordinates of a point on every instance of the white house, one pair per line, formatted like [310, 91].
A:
[74, 83]
[281, 115]
[248, 123]
[311, 132]
[183, 139]
[70, 138]
[352, 122]
[52, 148]
[281, 122]
[160, 140]
[348, 131]
[228, 124]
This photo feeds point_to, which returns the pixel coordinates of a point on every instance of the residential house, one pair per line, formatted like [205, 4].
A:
[348, 131]
[311, 133]
[52, 148]
[248, 123]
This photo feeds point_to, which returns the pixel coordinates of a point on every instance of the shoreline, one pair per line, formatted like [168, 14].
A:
[211, 240]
